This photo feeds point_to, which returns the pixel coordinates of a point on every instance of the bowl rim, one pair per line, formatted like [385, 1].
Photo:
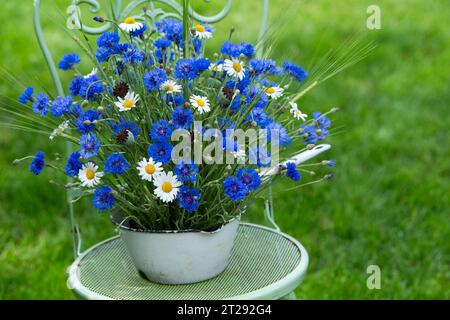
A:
[123, 225]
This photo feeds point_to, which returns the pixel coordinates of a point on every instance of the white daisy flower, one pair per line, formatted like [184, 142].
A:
[89, 175]
[60, 130]
[167, 186]
[201, 104]
[130, 24]
[170, 86]
[201, 32]
[93, 72]
[234, 68]
[296, 113]
[128, 102]
[274, 92]
[149, 169]
[216, 67]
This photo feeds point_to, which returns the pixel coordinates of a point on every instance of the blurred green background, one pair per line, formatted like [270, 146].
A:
[388, 204]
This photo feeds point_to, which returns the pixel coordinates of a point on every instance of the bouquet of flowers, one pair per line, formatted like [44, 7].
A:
[171, 139]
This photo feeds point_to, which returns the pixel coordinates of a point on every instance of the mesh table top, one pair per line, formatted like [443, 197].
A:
[264, 264]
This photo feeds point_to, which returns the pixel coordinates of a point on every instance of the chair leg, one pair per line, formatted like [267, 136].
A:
[290, 296]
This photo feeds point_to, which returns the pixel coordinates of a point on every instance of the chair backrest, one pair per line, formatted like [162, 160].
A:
[117, 12]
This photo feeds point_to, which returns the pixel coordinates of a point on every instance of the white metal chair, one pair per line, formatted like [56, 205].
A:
[265, 263]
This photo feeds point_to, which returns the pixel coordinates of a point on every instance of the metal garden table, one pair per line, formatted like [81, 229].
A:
[265, 263]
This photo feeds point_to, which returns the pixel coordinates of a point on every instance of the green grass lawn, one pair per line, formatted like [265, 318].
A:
[388, 204]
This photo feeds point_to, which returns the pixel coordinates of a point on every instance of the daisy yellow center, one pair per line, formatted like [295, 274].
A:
[199, 28]
[166, 187]
[90, 174]
[130, 20]
[270, 90]
[200, 102]
[127, 104]
[168, 87]
[237, 66]
[150, 169]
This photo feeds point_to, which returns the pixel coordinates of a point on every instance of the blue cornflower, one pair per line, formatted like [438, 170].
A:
[89, 145]
[75, 86]
[116, 164]
[38, 163]
[76, 110]
[171, 28]
[309, 134]
[61, 105]
[41, 104]
[283, 137]
[160, 151]
[263, 66]
[295, 71]
[259, 156]
[292, 171]
[162, 55]
[91, 88]
[103, 198]
[27, 95]
[125, 126]
[186, 171]
[177, 100]
[108, 40]
[234, 50]
[182, 118]
[139, 32]
[85, 121]
[161, 130]
[107, 45]
[154, 79]
[68, 61]
[162, 43]
[133, 56]
[189, 199]
[260, 117]
[257, 98]
[202, 64]
[323, 124]
[250, 178]
[102, 54]
[74, 164]
[235, 189]
[186, 69]
[236, 104]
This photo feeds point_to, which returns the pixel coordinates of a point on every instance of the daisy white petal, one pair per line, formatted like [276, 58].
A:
[167, 186]
[201, 32]
[170, 86]
[296, 113]
[149, 169]
[274, 92]
[89, 175]
[130, 24]
[201, 104]
[128, 102]
[234, 68]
